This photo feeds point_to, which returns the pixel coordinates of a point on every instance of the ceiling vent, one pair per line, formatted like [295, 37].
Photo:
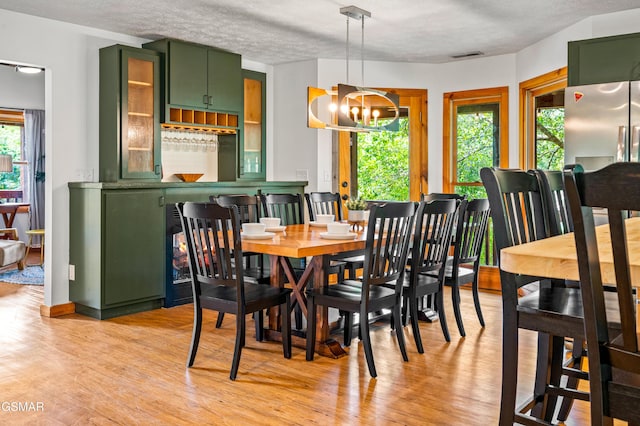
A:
[467, 55]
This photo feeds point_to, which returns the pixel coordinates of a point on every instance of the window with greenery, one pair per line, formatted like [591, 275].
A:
[383, 164]
[10, 144]
[549, 147]
[475, 128]
[542, 125]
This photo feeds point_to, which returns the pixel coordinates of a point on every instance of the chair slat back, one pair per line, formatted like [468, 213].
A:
[388, 235]
[288, 207]
[473, 217]
[212, 236]
[516, 206]
[432, 235]
[324, 203]
[248, 206]
[555, 201]
[616, 188]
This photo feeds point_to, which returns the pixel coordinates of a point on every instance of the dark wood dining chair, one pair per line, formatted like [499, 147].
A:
[328, 203]
[554, 312]
[429, 251]
[614, 358]
[387, 241]
[558, 222]
[471, 226]
[290, 209]
[249, 208]
[324, 203]
[214, 247]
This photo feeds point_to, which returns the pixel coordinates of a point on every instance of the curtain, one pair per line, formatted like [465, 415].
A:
[34, 154]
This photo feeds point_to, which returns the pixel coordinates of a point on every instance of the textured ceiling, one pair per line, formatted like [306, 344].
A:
[278, 31]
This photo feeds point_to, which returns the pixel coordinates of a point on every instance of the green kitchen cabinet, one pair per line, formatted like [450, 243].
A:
[129, 114]
[251, 149]
[604, 60]
[200, 77]
[117, 249]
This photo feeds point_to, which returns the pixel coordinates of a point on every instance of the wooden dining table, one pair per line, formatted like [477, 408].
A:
[9, 211]
[301, 241]
[556, 257]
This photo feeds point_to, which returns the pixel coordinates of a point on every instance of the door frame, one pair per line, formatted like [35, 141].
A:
[416, 100]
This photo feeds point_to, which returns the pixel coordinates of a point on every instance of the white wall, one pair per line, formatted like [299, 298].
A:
[69, 54]
[294, 150]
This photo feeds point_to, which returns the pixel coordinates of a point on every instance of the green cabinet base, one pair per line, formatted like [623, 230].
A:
[107, 313]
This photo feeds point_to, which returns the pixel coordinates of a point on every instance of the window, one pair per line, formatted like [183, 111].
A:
[542, 121]
[475, 129]
[11, 137]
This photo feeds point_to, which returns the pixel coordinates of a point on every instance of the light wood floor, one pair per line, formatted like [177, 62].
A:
[131, 370]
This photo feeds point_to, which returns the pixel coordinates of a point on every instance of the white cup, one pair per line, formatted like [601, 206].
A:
[324, 218]
[253, 228]
[270, 222]
[338, 228]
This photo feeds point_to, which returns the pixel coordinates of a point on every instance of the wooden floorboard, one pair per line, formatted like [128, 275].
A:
[131, 370]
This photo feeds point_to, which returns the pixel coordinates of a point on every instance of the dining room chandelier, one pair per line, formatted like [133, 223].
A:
[348, 107]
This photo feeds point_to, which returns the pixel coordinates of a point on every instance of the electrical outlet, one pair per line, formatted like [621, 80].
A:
[72, 272]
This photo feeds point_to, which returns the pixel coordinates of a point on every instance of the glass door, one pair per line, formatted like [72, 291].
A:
[387, 165]
[140, 129]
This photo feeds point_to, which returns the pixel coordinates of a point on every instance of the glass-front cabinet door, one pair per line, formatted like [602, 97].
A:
[252, 156]
[140, 148]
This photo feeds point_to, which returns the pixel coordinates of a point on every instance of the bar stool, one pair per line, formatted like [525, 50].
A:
[31, 233]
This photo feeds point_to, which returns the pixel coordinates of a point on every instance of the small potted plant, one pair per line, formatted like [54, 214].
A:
[357, 209]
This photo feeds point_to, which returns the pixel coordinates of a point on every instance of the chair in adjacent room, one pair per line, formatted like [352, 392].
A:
[614, 358]
[249, 210]
[385, 260]
[471, 226]
[214, 247]
[431, 240]
[554, 312]
[12, 250]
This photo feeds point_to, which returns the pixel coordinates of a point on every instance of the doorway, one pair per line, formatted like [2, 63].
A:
[387, 165]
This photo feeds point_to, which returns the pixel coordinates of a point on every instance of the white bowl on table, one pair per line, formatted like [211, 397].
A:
[253, 228]
[338, 228]
[270, 222]
[324, 218]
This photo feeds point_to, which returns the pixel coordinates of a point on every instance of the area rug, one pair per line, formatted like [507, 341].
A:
[32, 275]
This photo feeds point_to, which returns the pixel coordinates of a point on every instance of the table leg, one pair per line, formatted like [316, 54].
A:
[315, 269]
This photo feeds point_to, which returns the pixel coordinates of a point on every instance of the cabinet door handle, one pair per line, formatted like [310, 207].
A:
[210, 99]
[205, 99]
[158, 169]
[161, 201]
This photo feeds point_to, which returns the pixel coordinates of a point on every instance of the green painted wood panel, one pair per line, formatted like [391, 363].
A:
[187, 74]
[224, 81]
[133, 230]
[604, 60]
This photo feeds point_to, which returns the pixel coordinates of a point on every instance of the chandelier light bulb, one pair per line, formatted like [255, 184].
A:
[355, 111]
[333, 107]
[375, 115]
[344, 108]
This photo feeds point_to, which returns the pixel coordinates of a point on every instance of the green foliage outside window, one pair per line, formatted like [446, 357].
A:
[383, 164]
[10, 144]
[550, 138]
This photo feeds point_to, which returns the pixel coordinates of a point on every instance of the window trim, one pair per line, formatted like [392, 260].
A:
[451, 101]
[529, 89]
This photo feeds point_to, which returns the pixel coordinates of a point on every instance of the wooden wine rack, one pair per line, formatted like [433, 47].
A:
[222, 123]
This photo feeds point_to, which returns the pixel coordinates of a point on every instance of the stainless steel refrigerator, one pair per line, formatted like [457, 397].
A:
[602, 124]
